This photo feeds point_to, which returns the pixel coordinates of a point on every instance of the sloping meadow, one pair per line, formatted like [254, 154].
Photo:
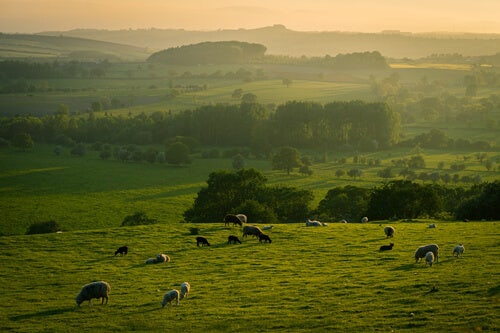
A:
[309, 279]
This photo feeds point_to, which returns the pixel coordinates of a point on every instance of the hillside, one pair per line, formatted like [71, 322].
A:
[280, 40]
[23, 46]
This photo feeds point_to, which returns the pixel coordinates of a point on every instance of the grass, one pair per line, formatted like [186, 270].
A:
[307, 280]
[88, 193]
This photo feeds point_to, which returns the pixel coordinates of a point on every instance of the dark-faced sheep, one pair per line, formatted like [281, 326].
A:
[231, 218]
[265, 238]
[202, 240]
[172, 295]
[98, 289]
[122, 250]
[389, 231]
[233, 239]
[251, 230]
[422, 251]
[386, 247]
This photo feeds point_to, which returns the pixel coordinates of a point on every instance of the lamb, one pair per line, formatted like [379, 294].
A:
[459, 250]
[386, 247]
[267, 227]
[231, 218]
[265, 238]
[389, 231]
[233, 239]
[185, 287]
[364, 219]
[421, 252]
[122, 250]
[98, 289]
[251, 230]
[172, 295]
[310, 223]
[202, 240]
[160, 257]
[432, 226]
[429, 258]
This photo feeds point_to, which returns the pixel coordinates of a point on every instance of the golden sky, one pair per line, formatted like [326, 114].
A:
[30, 16]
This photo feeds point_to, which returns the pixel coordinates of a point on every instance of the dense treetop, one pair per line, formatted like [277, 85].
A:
[226, 52]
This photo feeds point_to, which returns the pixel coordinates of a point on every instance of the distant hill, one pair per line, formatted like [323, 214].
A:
[228, 52]
[22, 46]
[282, 41]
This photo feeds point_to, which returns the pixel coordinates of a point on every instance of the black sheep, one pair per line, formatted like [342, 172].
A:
[122, 250]
[386, 247]
[233, 239]
[265, 238]
[232, 218]
[202, 240]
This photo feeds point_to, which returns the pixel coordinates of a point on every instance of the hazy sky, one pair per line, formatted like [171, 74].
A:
[311, 15]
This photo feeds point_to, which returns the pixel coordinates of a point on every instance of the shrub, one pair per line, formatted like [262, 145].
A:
[138, 218]
[46, 227]
[194, 231]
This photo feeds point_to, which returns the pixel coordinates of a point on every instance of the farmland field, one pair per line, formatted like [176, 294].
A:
[307, 280]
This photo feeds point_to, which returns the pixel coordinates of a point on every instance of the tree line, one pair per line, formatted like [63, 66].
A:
[297, 124]
[245, 191]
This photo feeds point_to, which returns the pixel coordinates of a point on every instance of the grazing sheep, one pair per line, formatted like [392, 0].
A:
[265, 238]
[122, 250]
[422, 251]
[364, 219]
[160, 257]
[386, 247]
[310, 223]
[231, 218]
[151, 261]
[343, 221]
[242, 218]
[459, 250]
[251, 230]
[267, 227]
[185, 288]
[172, 295]
[429, 258]
[432, 225]
[99, 289]
[202, 240]
[389, 231]
[233, 239]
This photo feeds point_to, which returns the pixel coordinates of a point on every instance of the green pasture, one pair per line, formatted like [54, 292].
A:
[87, 192]
[309, 279]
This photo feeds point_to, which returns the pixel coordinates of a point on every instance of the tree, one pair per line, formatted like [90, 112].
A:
[286, 159]
[249, 98]
[238, 162]
[78, 150]
[339, 173]
[355, 173]
[348, 202]
[43, 227]
[22, 141]
[178, 154]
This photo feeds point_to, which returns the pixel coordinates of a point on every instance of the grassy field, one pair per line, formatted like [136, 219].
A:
[88, 193]
[307, 280]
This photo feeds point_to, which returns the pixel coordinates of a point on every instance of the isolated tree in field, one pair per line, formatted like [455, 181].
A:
[355, 173]
[287, 82]
[286, 159]
[339, 173]
[178, 154]
[237, 93]
[238, 162]
[22, 141]
[249, 98]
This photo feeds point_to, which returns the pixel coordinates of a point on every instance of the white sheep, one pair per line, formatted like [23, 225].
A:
[172, 295]
[314, 223]
[429, 258]
[459, 250]
[389, 231]
[267, 227]
[185, 288]
[421, 252]
[98, 289]
[242, 218]
[364, 219]
[160, 257]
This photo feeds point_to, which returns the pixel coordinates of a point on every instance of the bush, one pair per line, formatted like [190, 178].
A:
[46, 227]
[194, 231]
[138, 218]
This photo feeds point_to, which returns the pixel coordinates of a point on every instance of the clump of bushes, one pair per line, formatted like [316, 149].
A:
[138, 218]
[194, 231]
[45, 227]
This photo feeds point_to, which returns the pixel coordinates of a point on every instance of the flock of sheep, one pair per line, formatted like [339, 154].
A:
[101, 289]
